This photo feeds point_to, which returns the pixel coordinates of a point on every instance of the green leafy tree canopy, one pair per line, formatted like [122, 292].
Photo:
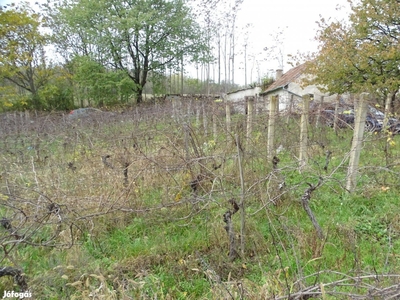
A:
[362, 55]
[138, 37]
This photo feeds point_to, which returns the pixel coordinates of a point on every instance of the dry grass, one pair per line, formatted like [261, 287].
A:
[129, 205]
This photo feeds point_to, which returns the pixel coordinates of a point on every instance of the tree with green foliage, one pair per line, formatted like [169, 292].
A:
[58, 92]
[362, 55]
[138, 37]
[22, 55]
[97, 85]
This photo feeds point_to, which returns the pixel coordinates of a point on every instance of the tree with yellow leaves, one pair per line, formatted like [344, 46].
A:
[363, 54]
[22, 56]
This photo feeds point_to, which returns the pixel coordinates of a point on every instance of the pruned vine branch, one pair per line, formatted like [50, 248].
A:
[17, 274]
[229, 229]
[305, 200]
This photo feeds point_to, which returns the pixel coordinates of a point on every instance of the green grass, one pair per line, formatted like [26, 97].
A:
[156, 238]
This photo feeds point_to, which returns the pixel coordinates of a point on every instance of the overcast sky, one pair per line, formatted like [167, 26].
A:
[296, 18]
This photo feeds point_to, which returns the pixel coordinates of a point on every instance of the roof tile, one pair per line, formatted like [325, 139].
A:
[286, 78]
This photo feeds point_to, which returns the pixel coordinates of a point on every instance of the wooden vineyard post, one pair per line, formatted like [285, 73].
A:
[250, 109]
[227, 115]
[205, 123]
[242, 207]
[318, 121]
[214, 119]
[304, 131]
[335, 117]
[273, 107]
[388, 104]
[198, 113]
[174, 109]
[361, 115]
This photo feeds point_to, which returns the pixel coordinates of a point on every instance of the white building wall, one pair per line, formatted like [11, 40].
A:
[238, 98]
[297, 88]
[240, 95]
[284, 99]
[294, 94]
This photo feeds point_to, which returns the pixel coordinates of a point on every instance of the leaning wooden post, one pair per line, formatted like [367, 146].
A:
[361, 115]
[273, 106]
[250, 109]
[304, 131]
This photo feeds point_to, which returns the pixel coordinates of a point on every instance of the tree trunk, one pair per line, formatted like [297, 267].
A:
[225, 63]
[336, 118]
[219, 60]
[233, 54]
[36, 101]
[182, 73]
[139, 95]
